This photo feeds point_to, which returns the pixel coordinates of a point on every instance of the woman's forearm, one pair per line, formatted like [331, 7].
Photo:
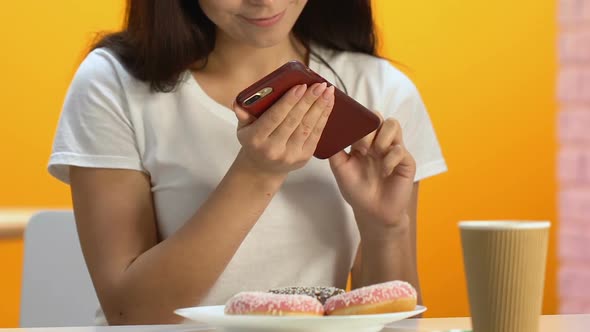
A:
[386, 254]
[180, 270]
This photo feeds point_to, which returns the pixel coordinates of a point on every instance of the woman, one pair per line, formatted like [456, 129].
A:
[173, 210]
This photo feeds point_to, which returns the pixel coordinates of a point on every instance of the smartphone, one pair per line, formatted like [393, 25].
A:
[349, 121]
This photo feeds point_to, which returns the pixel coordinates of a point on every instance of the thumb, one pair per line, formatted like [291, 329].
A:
[244, 118]
[339, 159]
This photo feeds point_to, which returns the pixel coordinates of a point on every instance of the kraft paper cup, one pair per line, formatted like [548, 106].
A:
[505, 270]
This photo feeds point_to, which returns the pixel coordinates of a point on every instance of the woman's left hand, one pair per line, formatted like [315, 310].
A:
[377, 177]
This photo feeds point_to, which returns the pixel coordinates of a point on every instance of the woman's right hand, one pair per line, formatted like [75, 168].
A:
[285, 137]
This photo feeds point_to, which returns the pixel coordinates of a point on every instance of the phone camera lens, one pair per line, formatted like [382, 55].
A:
[252, 100]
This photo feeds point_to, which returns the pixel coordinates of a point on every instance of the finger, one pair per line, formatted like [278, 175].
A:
[312, 126]
[386, 137]
[400, 160]
[399, 139]
[244, 118]
[293, 119]
[339, 159]
[379, 115]
[363, 145]
[392, 160]
[274, 116]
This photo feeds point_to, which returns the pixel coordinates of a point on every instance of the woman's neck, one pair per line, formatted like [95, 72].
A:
[230, 59]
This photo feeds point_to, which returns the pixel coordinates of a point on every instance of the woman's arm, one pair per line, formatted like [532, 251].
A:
[141, 281]
[377, 179]
[388, 253]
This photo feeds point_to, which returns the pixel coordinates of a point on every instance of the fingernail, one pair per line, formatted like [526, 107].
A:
[385, 172]
[318, 89]
[328, 93]
[300, 90]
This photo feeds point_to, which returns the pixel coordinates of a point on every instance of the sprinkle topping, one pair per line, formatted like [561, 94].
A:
[387, 291]
[245, 303]
[318, 292]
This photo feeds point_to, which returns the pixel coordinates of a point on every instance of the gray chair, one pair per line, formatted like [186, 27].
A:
[56, 288]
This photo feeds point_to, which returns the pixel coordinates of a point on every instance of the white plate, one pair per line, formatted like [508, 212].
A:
[215, 317]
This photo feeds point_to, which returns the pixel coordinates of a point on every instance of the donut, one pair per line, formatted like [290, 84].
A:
[263, 303]
[318, 292]
[387, 297]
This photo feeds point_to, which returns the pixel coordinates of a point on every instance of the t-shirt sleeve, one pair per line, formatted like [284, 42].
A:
[94, 128]
[401, 100]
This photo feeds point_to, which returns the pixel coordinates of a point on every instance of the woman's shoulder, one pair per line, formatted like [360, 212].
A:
[367, 71]
[102, 67]
[98, 63]
[369, 76]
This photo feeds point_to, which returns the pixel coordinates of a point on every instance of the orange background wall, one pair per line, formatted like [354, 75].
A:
[486, 71]
[41, 44]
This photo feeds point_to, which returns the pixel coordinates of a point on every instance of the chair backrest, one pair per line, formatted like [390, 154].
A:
[56, 288]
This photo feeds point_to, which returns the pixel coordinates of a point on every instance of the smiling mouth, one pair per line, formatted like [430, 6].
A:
[265, 21]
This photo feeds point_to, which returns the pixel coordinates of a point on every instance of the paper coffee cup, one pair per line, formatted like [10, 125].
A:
[505, 269]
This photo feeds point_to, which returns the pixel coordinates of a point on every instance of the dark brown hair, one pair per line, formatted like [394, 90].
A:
[163, 38]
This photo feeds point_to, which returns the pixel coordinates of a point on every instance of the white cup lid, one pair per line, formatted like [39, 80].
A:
[503, 224]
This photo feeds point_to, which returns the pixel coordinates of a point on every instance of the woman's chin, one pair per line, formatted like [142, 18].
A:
[268, 41]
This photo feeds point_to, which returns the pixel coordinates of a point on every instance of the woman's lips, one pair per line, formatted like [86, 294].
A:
[266, 21]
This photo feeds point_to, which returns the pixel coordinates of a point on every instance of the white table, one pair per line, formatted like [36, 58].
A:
[558, 323]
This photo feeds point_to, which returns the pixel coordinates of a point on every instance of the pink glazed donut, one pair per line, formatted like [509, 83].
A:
[262, 303]
[392, 296]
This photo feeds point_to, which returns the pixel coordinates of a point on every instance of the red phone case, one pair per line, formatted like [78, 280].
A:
[349, 122]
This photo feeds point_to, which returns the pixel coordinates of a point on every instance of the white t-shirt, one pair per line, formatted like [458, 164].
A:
[186, 142]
